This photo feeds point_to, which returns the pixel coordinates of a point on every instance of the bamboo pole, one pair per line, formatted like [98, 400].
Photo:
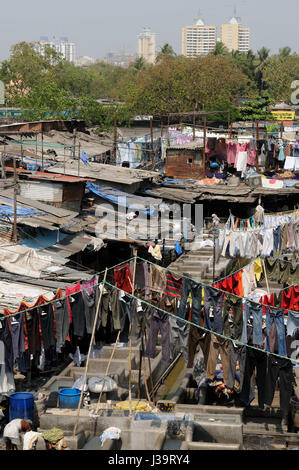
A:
[266, 277]
[149, 364]
[130, 339]
[107, 371]
[89, 350]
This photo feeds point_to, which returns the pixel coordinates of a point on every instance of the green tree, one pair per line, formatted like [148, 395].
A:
[262, 59]
[166, 50]
[279, 73]
[285, 52]
[220, 49]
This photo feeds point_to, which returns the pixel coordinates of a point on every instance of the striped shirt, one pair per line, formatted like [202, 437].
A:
[174, 285]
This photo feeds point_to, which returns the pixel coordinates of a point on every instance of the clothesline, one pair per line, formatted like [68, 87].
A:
[154, 264]
[201, 327]
[224, 291]
[253, 261]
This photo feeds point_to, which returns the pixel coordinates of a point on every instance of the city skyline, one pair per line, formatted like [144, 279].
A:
[97, 31]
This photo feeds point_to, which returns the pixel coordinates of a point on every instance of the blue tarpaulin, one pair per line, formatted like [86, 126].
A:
[116, 196]
[8, 211]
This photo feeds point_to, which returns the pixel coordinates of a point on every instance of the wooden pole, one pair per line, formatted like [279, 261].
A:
[15, 234]
[194, 120]
[130, 339]
[115, 140]
[107, 371]
[204, 147]
[42, 149]
[64, 158]
[79, 158]
[89, 351]
[149, 363]
[257, 138]
[152, 144]
[266, 277]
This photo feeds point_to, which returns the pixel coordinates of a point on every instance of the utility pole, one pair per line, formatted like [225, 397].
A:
[194, 126]
[79, 158]
[204, 147]
[152, 144]
[115, 140]
[15, 234]
[42, 149]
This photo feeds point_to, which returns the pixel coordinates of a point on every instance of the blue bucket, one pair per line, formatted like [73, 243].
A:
[69, 398]
[21, 405]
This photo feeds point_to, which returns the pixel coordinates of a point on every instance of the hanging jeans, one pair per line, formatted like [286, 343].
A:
[282, 369]
[195, 289]
[179, 338]
[198, 337]
[61, 313]
[17, 334]
[217, 346]
[5, 337]
[293, 323]
[213, 302]
[46, 319]
[255, 360]
[276, 316]
[233, 317]
[236, 353]
[256, 311]
[159, 322]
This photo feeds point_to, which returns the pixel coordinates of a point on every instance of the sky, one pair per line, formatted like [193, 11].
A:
[98, 27]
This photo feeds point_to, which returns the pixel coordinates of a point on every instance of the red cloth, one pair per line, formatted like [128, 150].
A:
[267, 301]
[290, 298]
[72, 290]
[123, 278]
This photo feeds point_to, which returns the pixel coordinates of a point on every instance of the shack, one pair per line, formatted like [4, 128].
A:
[185, 161]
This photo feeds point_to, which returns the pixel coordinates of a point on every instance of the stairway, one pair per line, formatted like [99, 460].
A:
[197, 261]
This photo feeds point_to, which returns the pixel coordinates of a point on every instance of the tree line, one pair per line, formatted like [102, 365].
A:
[47, 86]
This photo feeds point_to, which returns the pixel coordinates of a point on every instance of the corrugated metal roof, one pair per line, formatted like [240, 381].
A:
[39, 175]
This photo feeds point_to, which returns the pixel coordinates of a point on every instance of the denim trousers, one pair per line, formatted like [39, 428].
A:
[255, 360]
[293, 323]
[276, 316]
[198, 337]
[282, 369]
[233, 329]
[236, 353]
[159, 322]
[195, 289]
[256, 311]
[179, 335]
[213, 303]
[218, 346]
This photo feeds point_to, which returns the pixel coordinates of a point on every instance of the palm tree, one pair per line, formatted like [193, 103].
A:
[220, 49]
[262, 59]
[165, 51]
[139, 63]
[285, 52]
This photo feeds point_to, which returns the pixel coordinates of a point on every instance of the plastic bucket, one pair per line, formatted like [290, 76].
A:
[69, 398]
[21, 405]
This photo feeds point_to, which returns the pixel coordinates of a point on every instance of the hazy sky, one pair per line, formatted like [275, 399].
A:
[98, 26]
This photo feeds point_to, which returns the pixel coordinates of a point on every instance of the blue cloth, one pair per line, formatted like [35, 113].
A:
[256, 311]
[178, 249]
[84, 158]
[276, 316]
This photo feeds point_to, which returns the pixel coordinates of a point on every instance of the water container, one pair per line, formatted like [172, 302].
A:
[69, 398]
[21, 405]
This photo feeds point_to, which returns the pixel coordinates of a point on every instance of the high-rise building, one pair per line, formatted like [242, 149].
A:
[198, 39]
[147, 46]
[63, 46]
[234, 36]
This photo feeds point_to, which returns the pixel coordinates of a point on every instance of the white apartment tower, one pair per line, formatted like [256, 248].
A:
[234, 36]
[63, 46]
[147, 46]
[198, 39]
